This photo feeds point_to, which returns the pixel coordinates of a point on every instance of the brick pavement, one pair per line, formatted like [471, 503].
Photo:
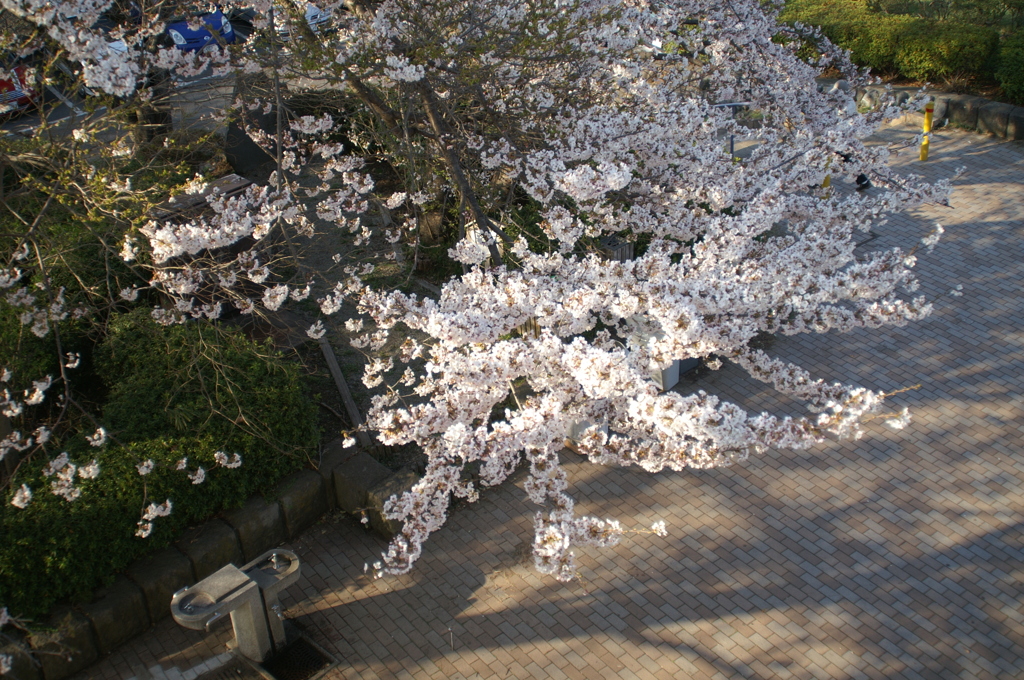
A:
[897, 556]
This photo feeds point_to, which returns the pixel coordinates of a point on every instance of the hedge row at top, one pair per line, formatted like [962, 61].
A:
[950, 52]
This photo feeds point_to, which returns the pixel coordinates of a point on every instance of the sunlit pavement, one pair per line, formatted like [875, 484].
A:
[900, 555]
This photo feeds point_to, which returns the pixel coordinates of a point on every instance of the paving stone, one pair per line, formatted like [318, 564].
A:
[963, 110]
[333, 455]
[396, 484]
[993, 118]
[66, 647]
[1015, 123]
[23, 664]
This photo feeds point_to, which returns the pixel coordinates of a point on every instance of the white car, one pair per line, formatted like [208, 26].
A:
[317, 19]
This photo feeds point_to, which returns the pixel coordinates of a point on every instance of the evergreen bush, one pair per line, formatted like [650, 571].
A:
[946, 51]
[917, 48]
[181, 392]
[1011, 68]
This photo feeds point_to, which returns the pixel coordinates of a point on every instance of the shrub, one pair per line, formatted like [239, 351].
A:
[1011, 68]
[873, 40]
[913, 47]
[179, 392]
[941, 51]
[200, 378]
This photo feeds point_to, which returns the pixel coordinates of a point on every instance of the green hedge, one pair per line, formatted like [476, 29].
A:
[164, 384]
[942, 51]
[1011, 68]
[913, 47]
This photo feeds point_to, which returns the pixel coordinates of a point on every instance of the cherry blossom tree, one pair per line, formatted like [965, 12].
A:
[608, 119]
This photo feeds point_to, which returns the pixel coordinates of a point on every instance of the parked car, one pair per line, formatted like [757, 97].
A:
[212, 29]
[317, 19]
[16, 92]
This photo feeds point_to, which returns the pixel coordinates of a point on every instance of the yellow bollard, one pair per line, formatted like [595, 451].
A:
[929, 110]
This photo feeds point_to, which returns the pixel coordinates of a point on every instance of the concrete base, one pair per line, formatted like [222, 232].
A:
[666, 378]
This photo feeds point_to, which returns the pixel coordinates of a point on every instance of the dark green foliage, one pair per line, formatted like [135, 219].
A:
[199, 378]
[946, 51]
[35, 356]
[179, 392]
[1011, 68]
[949, 47]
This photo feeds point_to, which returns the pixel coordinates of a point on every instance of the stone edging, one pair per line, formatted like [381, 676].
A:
[966, 111]
[347, 479]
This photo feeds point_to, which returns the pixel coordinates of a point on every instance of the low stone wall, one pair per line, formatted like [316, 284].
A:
[966, 111]
[349, 479]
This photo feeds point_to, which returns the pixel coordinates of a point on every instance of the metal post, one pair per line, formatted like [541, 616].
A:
[929, 111]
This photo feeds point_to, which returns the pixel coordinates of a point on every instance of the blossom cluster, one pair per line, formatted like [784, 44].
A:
[632, 149]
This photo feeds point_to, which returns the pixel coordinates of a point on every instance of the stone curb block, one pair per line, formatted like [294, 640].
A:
[209, 547]
[117, 613]
[333, 455]
[963, 110]
[994, 117]
[967, 111]
[260, 526]
[303, 499]
[397, 484]
[868, 97]
[354, 478]
[159, 577]
[941, 114]
[1015, 123]
[23, 666]
[68, 650]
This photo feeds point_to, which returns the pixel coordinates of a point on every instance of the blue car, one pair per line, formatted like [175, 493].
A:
[214, 29]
